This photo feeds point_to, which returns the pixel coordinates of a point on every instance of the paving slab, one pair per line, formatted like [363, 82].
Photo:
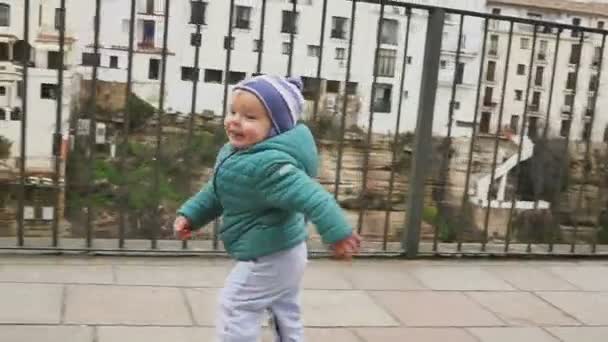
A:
[580, 334]
[372, 277]
[58, 274]
[587, 278]
[321, 277]
[590, 308]
[130, 305]
[30, 303]
[460, 279]
[329, 335]
[522, 309]
[415, 335]
[436, 309]
[187, 276]
[323, 308]
[46, 333]
[531, 278]
[510, 334]
[154, 334]
[204, 304]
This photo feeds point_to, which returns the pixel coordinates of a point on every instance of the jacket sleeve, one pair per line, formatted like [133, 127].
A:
[289, 188]
[203, 207]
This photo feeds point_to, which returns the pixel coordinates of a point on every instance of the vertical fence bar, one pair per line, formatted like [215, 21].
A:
[292, 34]
[521, 141]
[228, 47]
[188, 157]
[92, 127]
[159, 128]
[261, 39]
[22, 161]
[588, 164]
[446, 160]
[57, 137]
[567, 142]
[467, 182]
[124, 150]
[353, 12]
[391, 181]
[320, 57]
[497, 140]
[546, 129]
[370, 123]
[424, 131]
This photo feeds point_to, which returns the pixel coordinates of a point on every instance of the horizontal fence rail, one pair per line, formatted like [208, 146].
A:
[441, 131]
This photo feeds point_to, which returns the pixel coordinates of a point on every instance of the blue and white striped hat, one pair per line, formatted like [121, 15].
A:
[282, 97]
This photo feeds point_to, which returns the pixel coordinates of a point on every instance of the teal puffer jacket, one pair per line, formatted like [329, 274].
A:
[264, 194]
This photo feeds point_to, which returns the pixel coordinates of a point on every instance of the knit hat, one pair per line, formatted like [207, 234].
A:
[282, 97]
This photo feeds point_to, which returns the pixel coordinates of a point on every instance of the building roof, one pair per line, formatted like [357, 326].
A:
[590, 8]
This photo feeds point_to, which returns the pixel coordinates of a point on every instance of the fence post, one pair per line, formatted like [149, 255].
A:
[424, 131]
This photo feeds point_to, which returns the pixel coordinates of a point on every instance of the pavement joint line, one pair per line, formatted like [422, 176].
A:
[558, 308]
[114, 275]
[188, 306]
[551, 334]
[564, 279]
[375, 300]
[485, 308]
[95, 334]
[64, 300]
[356, 334]
[470, 333]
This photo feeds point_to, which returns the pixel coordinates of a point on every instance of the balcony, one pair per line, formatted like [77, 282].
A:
[534, 107]
[146, 44]
[338, 34]
[567, 109]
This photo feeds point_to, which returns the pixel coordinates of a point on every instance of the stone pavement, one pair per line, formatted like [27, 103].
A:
[139, 299]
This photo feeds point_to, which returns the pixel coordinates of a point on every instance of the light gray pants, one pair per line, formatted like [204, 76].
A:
[269, 283]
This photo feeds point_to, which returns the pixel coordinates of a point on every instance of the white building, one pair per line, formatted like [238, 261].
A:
[247, 13]
[42, 80]
[570, 111]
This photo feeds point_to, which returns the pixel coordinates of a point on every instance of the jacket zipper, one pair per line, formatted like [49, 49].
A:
[216, 172]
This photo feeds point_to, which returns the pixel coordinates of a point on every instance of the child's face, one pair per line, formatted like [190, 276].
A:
[247, 122]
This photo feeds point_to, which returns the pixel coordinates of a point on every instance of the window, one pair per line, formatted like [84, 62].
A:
[243, 17]
[16, 114]
[586, 131]
[290, 22]
[333, 86]
[521, 69]
[286, 48]
[571, 82]
[524, 43]
[189, 74]
[58, 18]
[114, 62]
[484, 124]
[198, 11]
[235, 77]
[491, 71]
[5, 15]
[257, 47]
[569, 100]
[564, 130]
[514, 124]
[518, 95]
[456, 105]
[597, 56]
[606, 134]
[487, 98]
[493, 45]
[538, 80]
[48, 91]
[593, 82]
[409, 59]
[2, 114]
[443, 64]
[382, 97]
[4, 52]
[20, 89]
[150, 6]
[386, 62]
[496, 11]
[575, 54]
[213, 76]
[53, 60]
[575, 22]
[2, 91]
[389, 30]
[459, 73]
[153, 68]
[338, 27]
[533, 127]
[534, 106]
[314, 50]
[542, 51]
[149, 33]
[351, 88]
[340, 53]
[311, 87]
[600, 25]
[90, 59]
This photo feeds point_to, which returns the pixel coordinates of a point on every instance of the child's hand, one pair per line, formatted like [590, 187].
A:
[181, 228]
[346, 248]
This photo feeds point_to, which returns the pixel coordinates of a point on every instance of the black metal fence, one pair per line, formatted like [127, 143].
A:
[467, 179]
